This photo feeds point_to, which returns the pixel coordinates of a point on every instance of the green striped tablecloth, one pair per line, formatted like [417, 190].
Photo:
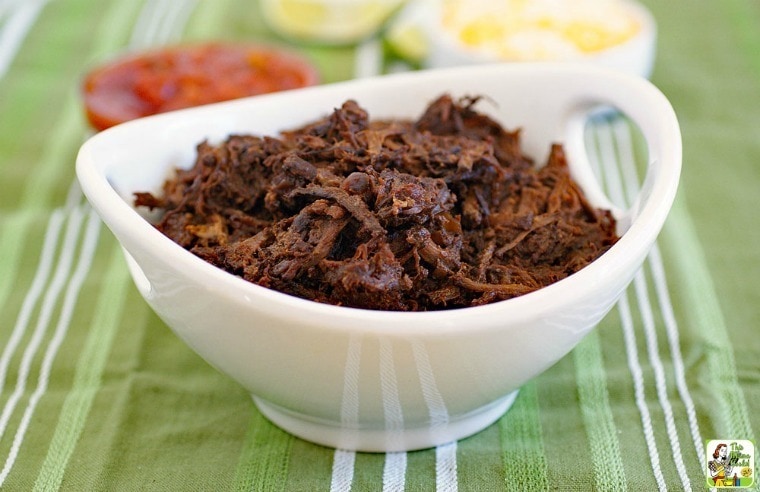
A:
[98, 394]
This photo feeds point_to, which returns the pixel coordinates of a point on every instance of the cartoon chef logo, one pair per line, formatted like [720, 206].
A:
[730, 463]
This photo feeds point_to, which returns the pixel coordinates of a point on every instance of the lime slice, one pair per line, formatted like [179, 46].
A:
[408, 41]
[329, 21]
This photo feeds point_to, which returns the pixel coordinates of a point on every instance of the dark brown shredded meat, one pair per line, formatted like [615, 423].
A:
[439, 213]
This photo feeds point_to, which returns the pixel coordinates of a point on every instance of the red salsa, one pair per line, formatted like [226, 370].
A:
[184, 76]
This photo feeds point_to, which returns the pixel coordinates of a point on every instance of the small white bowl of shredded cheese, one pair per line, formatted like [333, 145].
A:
[618, 34]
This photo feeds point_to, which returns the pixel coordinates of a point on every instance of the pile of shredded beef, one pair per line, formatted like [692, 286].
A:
[443, 212]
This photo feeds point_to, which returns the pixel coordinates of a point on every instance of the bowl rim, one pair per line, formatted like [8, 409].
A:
[126, 222]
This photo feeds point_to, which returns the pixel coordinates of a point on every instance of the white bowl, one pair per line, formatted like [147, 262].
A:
[375, 380]
[635, 56]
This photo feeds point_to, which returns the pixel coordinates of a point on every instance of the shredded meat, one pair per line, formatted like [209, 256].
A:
[438, 213]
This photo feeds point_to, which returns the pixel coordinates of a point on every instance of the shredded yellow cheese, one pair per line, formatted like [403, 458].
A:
[539, 29]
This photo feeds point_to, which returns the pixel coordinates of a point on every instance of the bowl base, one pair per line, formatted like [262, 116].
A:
[331, 434]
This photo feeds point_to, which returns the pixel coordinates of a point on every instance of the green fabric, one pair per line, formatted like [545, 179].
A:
[98, 394]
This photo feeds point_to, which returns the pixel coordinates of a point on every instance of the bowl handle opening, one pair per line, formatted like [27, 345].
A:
[648, 110]
[582, 165]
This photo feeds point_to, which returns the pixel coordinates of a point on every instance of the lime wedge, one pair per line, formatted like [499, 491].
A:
[408, 42]
[330, 21]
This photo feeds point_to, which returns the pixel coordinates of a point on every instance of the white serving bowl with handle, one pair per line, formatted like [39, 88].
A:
[377, 380]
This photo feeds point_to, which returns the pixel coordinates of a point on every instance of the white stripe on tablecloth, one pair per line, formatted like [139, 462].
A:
[640, 286]
[41, 276]
[87, 252]
[368, 60]
[342, 470]
[622, 136]
[172, 14]
[5, 5]
[49, 302]
[161, 21]
[21, 18]
[637, 374]
[446, 468]
[671, 326]
[146, 29]
[343, 461]
[394, 469]
[47, 254]
[625, 189]
[616, 188]
[178, 21]
[394, 472]
[604, 161]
